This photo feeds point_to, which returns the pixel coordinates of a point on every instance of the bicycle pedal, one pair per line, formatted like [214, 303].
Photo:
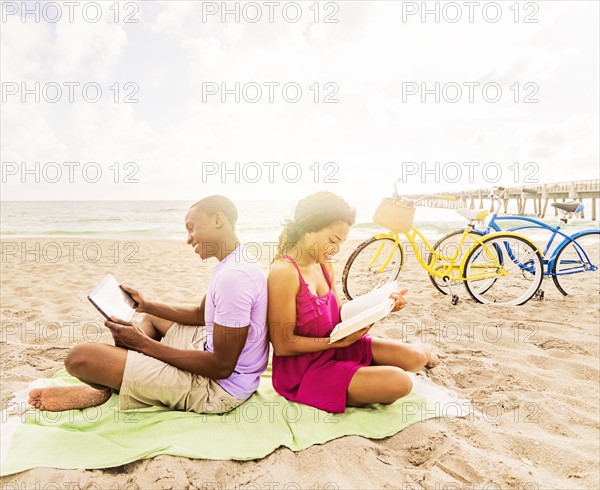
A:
[454, 299]
[539, 295]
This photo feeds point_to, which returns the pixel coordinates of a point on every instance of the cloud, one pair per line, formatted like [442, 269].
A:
[367, 57]
[22, 53]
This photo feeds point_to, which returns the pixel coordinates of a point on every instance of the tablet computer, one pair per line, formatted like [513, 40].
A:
[110, 300]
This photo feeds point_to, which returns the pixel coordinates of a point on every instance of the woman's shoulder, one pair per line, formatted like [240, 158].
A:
[283, 278]
[282, 269]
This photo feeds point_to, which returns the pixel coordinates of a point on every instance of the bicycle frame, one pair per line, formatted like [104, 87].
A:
[448, 270]
[532, 223]
[477, 261]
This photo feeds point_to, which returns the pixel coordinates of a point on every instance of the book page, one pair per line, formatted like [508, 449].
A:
[352, 308]
[361, 320]
[111, 300]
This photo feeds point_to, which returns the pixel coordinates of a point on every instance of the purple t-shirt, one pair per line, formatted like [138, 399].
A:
[237, 297]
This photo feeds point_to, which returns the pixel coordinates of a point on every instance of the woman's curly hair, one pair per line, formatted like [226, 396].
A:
[313, 213]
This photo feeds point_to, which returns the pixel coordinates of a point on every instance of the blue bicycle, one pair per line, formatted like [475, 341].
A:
[571, 260]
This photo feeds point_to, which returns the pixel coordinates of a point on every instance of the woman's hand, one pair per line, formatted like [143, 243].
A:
[137, 297]
[399, 300]
[350, 339]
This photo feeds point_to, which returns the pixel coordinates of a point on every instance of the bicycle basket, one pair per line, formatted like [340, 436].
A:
[395, 216]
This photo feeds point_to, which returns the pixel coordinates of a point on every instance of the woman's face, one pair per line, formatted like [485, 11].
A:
[322, 245]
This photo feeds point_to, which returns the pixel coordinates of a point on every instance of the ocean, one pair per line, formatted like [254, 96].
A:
[258, 221]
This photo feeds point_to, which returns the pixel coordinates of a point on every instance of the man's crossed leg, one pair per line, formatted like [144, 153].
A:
[100, 366]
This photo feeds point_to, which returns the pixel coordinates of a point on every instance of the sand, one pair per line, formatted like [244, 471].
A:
[532, 371]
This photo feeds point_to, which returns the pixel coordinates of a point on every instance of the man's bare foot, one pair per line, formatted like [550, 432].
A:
[60, 398]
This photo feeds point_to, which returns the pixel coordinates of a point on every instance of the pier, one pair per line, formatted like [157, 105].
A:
[538, 194]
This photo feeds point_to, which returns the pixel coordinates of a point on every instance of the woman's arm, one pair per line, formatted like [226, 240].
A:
[283, 285]
[398, 296]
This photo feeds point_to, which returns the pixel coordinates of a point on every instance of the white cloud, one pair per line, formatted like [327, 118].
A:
[369, 54]
[22, 56]
[83, 47]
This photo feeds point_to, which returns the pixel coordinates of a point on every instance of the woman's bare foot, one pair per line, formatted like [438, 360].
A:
[434, 359]
[60, 398]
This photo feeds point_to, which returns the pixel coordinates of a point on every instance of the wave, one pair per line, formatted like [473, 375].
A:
[84, 233]
[156, 220]
[95, 220]
[364, 224]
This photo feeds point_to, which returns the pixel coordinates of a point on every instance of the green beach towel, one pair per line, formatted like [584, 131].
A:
[103, 436]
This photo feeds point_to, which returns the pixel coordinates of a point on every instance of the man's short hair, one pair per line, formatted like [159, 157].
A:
[213, 204]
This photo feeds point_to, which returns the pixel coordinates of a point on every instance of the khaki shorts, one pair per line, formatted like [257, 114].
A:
[150, 382]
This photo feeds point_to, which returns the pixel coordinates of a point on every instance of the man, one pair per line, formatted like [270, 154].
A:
[206, 359]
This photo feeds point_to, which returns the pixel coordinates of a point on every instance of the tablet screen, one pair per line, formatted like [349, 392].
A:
[111, 300]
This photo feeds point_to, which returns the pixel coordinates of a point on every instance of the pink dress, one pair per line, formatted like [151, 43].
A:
[319, 379]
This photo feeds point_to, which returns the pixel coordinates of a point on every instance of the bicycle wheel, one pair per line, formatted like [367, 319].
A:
[575, 268]
[447, 246]
[375, 262]
[504, 269]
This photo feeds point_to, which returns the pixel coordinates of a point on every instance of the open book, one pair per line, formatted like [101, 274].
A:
[111, 300]
[364, 310]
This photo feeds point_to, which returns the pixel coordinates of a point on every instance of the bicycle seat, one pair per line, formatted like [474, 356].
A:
[473, 214]
[568, 207]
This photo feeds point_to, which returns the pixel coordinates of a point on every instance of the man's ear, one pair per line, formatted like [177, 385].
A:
[220, 219]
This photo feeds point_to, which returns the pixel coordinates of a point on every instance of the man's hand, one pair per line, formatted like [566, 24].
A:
[126, 334]
[398, 297]
[350, 339]
[137, 297]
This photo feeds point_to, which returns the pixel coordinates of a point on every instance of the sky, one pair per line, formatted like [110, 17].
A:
[274, 100]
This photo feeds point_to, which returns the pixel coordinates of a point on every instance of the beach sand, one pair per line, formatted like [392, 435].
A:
[532, 371]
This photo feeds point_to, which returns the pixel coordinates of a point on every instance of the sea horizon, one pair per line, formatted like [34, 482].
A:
[258, 221]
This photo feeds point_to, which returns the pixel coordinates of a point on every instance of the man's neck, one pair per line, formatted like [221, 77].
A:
[227, 247]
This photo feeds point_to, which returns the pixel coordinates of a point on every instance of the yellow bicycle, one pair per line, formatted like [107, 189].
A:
[504, 268]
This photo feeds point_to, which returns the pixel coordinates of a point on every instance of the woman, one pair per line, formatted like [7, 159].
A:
[304, 307]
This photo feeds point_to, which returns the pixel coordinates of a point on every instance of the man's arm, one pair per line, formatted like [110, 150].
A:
[220, 364]
[186, 315]
[233, 298]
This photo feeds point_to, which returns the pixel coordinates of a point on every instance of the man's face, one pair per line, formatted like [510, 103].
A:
[203, 233]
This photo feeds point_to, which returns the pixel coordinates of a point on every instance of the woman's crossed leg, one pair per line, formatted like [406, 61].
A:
[386, 381]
